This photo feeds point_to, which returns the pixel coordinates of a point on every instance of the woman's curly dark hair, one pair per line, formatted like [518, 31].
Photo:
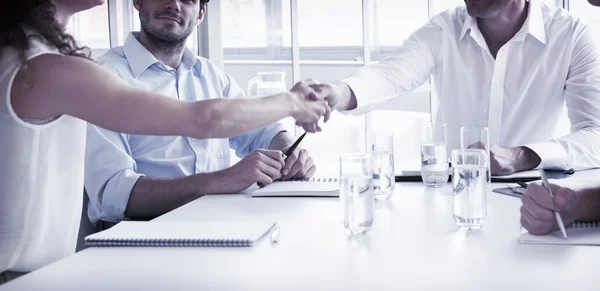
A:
[38, 15]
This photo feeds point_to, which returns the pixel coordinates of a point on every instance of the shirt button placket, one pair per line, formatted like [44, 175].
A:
[497, 96]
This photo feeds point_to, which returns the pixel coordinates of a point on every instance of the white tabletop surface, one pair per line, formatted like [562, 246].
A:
[414, 245]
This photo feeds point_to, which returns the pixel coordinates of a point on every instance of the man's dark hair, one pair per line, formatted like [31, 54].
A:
[203, 3]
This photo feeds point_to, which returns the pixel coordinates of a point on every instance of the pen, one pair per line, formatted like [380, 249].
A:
[275, 235]
[294, 146]
[546, 185]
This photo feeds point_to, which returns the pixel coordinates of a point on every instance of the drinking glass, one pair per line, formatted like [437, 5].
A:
[477, 138]
[434, 155]
[469, 184]
[381, 146]
[356, 192]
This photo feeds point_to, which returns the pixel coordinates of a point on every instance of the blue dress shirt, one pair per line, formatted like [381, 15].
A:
[114, 161]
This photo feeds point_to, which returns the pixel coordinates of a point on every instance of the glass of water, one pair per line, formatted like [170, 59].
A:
[381, 146]
[469, 183]
[477, 138]
[434, 155]
[356, 192]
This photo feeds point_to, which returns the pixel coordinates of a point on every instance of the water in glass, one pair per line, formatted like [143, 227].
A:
[356, 196]
[383, 175]
[434, 164]
[470, 190]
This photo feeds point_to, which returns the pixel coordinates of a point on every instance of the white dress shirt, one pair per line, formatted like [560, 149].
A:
[551, 64]
[114, 161]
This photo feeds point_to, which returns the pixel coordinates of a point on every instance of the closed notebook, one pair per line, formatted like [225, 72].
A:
[314, 187]
[180, 234]
[578, 233]
[526, 176]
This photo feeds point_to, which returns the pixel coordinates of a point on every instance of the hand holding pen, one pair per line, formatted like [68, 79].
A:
[539, 208]
[298, 163]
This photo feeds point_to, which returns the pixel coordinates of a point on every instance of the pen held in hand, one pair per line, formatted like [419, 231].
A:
[294, 146]
[559, 220]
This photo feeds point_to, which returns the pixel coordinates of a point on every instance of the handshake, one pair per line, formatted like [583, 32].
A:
[311, 101]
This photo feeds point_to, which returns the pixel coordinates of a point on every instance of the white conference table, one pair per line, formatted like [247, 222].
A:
[414, 245]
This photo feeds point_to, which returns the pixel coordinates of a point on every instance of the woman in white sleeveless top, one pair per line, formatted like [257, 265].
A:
[49, 89]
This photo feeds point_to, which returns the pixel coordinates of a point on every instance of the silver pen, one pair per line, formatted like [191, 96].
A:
[546, 185]
[275, 235]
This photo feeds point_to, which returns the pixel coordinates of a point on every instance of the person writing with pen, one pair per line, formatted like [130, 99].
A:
[141, 176]
[575, 199]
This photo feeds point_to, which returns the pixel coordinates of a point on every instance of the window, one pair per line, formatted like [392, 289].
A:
[90, 28]
[126, 14]
[330, 23]
[439, 6]
[246, 24]
[255, 30]
[587, 12]
[392, 22]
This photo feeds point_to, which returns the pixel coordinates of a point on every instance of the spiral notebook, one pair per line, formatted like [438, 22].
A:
[579, 233]
[313, 187]
[180, 234]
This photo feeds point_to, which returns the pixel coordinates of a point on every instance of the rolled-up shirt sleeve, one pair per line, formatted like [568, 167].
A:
[110, 174]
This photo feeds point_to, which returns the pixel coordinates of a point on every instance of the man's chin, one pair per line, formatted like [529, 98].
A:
[594, 2]
[475, 13]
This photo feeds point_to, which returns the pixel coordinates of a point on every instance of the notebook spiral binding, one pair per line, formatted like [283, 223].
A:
[167, 243]
[316, 179]
[586, 224]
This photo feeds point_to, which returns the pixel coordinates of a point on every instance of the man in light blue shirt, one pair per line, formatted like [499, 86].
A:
[139, 176]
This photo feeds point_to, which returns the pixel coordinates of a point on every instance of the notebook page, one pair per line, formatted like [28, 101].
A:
[579, 233]
[328, 187]
[142, 230]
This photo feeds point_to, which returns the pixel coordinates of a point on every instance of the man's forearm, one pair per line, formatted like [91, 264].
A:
[153, 197]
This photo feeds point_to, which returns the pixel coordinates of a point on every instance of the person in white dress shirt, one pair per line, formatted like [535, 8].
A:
[575, 199]
[49, 89]
[131, 176]
[510, 65]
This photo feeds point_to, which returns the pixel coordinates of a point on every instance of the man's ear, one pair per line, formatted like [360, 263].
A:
[137, 4]
[200, 15]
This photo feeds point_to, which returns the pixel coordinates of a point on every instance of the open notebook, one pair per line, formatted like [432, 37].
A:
[180, 234]
[578, 233]
[314, 187]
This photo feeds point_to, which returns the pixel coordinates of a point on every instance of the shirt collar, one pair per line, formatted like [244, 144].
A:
[469, 25]
[191, 61]
[140, 59]
[534, 24]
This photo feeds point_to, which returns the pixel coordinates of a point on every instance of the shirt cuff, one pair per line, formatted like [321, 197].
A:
[361, 92]
[115, 197]
[552, 154]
